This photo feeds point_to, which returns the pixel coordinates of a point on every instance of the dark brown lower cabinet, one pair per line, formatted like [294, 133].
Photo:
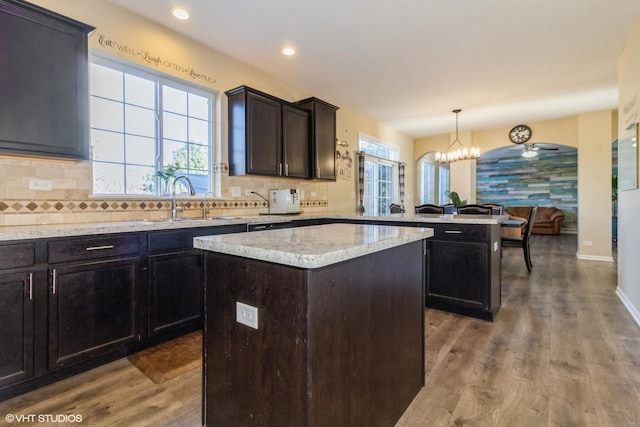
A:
[463, 269]
[176, 279]
[16, 327]
[176, 287]
[92, 310]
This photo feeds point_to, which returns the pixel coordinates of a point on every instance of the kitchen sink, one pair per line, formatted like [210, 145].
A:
[212, 218]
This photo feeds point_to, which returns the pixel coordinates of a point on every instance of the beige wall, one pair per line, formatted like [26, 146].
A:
[591, 133]
[594, 185]
[71, 180]
[342, 194]
[629, 201]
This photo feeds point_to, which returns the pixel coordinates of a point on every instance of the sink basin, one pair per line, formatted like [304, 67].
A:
[223, 217]
[212, 218]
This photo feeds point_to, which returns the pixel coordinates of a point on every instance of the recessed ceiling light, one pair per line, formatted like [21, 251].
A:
[181, 14]
[289, 51]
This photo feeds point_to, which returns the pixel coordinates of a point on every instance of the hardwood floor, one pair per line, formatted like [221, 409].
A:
[563, 351]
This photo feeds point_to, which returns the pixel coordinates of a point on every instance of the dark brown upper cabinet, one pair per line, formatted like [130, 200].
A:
[267, 136]
[44, 80]
[323, 138]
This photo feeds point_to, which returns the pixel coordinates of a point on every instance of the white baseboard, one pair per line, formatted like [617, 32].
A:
[629, 306]
[594, 257]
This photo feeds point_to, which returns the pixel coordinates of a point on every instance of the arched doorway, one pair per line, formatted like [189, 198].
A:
[539, 174]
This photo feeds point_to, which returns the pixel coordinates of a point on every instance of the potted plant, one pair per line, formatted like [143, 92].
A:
[455, 199]
[166, 175]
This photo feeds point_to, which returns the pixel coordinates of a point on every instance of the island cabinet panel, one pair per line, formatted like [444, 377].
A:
[341, 345]
[44, 81]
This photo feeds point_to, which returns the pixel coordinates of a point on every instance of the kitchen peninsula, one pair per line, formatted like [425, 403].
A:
[313, 326]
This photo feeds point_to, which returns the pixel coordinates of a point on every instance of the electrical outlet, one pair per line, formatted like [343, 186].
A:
[39, 184]
[587, 243]
[235, 192]
[247, 315]
[248, 192]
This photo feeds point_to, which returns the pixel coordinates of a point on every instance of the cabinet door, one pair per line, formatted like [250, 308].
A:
[295, 141]
[323, 138]
[325, 141]
[457, 273]
[92, 310]
[264, 135]
[44, 84]
[16, 328]
[176, 291]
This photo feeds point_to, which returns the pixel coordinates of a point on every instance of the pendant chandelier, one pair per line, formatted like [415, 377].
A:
[454, 154]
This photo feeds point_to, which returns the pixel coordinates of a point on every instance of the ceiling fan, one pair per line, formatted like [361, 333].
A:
[531, 149]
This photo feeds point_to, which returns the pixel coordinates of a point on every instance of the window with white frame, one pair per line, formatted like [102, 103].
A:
[381, 183]
[434, 181]
[146, 129]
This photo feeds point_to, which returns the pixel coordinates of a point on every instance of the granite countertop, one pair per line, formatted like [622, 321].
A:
[23, 232]
[313, 247]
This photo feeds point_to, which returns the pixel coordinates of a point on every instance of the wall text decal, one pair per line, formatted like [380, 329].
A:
[153, 59]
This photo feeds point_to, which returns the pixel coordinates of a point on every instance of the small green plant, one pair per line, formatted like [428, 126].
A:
[455, 199]
[166, 175]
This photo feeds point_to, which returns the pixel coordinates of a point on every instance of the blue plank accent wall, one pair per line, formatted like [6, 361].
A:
[549, 179]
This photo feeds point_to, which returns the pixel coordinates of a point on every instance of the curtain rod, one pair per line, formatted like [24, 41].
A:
[379, 158]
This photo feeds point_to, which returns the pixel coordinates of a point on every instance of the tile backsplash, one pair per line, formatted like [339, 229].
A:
[70, 199]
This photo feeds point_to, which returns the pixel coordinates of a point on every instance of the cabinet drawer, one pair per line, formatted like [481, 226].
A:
[93, 248]
[460, 232]
[15, 256]
[174, 240]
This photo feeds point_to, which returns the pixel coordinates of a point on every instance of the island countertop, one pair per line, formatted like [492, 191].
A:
[314, 246]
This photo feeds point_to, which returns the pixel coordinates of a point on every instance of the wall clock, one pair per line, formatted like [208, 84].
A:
[520, 134]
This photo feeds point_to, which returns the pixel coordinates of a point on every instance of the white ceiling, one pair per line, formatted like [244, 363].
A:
[408, 63]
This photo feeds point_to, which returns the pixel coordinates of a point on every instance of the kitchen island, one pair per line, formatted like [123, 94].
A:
[313, 326]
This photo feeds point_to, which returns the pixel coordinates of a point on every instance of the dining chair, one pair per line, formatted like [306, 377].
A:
[429, 209]
[495, 208]
[473, 210]
[523, 242]
[395, 208]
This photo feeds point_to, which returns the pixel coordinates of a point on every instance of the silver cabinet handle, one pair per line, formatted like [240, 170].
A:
[286, 169]
[453, 232]
[53, 280]
[31, 286]
[98, 248]
[280, 169]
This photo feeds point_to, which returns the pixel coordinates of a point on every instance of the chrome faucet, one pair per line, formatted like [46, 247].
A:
[174, 208]
[204, 203]
[266, 200]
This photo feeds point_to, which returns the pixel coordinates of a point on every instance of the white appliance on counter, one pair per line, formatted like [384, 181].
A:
[284, 201]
